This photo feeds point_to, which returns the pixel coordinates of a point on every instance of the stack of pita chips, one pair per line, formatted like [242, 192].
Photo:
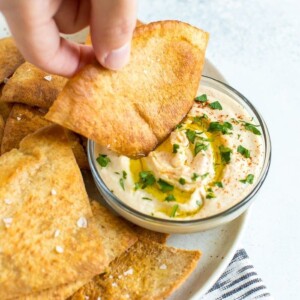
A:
[25, 99]
[55, 242]
[136, 108]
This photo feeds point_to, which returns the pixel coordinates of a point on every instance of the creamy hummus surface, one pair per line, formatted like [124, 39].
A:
[210, 162]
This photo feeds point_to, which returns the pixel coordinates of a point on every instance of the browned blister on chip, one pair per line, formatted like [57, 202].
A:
[32, 86]
[148, 270]
[48, 233]
[10, 58]
[22, 121]
[133, 110]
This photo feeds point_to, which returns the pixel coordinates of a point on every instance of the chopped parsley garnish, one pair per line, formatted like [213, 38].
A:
[103, 160]
[175, 148]
[181, 181]
[170, 198]
[239, 136]
[225, 153]
[219, 127]
[216, 105]
[199, 120]
[137, 185]
[179, 126]
[218, 184]
[202, 98]
[174, 210]
[195, 176]
[249, 179]
[199, 147]
[117, 173]
[164, 186]
[210, 194]
[121, 181]
[146, 198]
[146, 179]
[204, 175]
[191, 135]
[244, 151]
[252, 128]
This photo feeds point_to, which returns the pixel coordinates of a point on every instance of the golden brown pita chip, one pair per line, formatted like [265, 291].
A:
[24, 120]
[147, 271]
[47, 231]
[116, 232]
[32, 86]
[10, 58]
[134, 109]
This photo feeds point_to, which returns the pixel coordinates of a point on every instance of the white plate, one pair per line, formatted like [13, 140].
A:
[217, 245]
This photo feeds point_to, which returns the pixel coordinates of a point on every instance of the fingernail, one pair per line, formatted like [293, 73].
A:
[118, 58]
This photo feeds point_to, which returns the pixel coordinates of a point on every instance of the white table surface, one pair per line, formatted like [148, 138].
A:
[256, 45]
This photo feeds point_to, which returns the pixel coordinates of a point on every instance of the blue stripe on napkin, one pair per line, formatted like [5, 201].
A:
[239, 281]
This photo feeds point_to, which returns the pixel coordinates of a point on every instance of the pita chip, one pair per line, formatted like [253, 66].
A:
[10, 58]
[149, 235]
[32, 86]
[135, 109]
[24, 120]
[47, 230]
[148, 270]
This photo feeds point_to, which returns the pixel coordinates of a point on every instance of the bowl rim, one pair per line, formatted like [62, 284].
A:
[246, 200]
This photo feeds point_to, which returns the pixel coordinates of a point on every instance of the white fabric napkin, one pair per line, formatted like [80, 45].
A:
[239, 281]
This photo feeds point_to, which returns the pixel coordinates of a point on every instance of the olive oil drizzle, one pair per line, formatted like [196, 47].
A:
[214, 139]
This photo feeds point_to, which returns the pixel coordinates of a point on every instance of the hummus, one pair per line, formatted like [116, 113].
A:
[210, 162]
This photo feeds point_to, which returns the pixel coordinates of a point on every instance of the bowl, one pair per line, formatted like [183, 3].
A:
[193, 225]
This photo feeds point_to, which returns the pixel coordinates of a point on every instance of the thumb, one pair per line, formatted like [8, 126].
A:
[112, 25]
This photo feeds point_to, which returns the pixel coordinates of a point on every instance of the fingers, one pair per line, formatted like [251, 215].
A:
[73, 15]
[39, 41]
[112, 24]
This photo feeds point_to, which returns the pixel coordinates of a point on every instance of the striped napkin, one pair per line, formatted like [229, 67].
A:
[239, 281]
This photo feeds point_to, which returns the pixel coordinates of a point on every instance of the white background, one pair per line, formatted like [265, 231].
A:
[256, 45]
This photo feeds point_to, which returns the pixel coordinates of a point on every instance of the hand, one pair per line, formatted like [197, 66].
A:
[36, 24]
